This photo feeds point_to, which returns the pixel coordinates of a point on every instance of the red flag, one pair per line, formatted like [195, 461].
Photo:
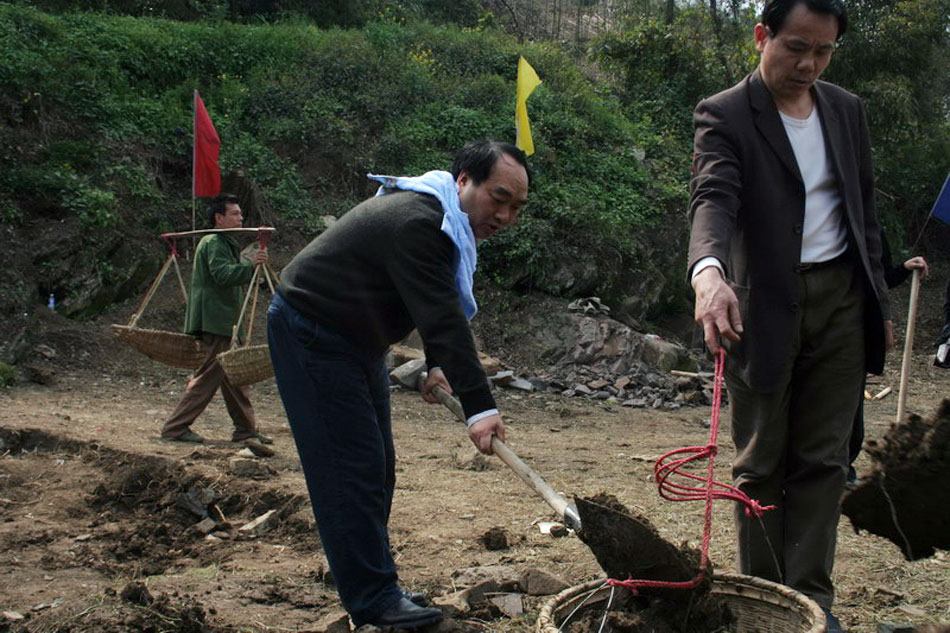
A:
[206, 177]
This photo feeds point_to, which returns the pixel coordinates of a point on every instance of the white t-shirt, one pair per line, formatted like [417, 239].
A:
[824, 235]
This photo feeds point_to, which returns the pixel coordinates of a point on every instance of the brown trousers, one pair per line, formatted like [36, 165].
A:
[202, 387]
[792, 444]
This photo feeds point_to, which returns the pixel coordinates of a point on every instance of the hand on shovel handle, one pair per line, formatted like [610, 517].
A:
[560, 505]
[485, 433]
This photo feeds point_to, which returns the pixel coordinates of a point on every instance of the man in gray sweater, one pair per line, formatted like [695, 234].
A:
[399, 261]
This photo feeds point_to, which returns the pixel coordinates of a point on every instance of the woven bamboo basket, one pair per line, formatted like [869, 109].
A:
[246, 365]
[757, 606]
[172, 348]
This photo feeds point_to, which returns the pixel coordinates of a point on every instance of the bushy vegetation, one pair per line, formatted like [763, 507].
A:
[7, 374]
[99, 130]
[894, 55]
[309, 97]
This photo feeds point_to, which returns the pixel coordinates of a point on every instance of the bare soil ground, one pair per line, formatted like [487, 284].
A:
[87, 500]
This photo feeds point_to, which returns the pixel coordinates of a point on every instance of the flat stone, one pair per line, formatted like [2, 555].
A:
[206, 526]
[479, 592]
[407, 374]
[454, 604]
[502, 378]
[504, 575]
[912, 610]
[598, 384]
[249, 467]
[511, 604]
[402, 354]
[336, 622]
[635, 402]
[521, 384]
[537, 582]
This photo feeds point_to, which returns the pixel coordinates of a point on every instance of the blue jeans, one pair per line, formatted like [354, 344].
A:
[337, 403]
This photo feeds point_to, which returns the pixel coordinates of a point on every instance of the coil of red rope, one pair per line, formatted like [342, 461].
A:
[672, 464]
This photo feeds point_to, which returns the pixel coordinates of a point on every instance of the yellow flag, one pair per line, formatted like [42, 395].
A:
[528, 80]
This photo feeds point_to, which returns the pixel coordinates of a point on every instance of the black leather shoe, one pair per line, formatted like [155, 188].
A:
[833, 625]
[408, 615]
[417, 597]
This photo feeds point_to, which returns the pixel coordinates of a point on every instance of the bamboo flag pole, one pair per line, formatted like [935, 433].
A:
[194, 159]
[908, 344]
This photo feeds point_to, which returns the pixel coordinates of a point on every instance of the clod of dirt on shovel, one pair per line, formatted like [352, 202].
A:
[626, 545]
[910, 472]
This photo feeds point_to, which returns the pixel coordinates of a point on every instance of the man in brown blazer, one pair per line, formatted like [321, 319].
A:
[785, 261]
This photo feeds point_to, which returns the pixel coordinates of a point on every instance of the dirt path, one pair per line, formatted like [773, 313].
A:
[87, 496]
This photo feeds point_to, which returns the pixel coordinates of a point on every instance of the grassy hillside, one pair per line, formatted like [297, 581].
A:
[95, 151]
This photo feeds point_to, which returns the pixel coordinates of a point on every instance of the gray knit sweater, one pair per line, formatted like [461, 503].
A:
[382, 269]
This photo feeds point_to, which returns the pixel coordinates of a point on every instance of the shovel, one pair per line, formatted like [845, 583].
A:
[564, 509]
[625, 545]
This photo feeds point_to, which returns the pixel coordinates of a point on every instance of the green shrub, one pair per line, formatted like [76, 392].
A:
[7, 374]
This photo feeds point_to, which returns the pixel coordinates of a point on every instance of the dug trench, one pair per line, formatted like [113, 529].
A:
[104, 404]
[138, 520]
[147, 543]
[100, 552]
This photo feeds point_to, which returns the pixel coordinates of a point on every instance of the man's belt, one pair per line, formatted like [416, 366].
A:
[807, 267]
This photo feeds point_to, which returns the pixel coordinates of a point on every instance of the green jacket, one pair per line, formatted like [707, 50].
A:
[217, 287]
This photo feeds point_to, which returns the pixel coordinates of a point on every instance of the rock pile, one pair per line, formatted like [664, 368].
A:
[600, 358]
[638, 387]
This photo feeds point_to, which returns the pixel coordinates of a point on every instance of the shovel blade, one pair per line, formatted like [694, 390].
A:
[627, 545]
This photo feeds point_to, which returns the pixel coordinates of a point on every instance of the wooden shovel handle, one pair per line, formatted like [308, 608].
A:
[908, 345]
[505, 454]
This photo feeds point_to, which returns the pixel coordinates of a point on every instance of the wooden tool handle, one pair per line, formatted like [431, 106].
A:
[505, 454]
[908, 344]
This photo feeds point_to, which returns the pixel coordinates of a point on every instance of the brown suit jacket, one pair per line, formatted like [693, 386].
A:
[747, 209]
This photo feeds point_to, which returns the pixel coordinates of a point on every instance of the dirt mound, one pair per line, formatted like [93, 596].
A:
[899, 499]
[129, 612]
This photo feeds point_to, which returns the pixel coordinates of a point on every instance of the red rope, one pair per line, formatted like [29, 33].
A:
[667, 466]
[172, 243]
[262, 237]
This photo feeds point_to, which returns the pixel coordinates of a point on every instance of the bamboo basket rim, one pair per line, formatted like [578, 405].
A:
[176, 349]
[809, 613]
[247, 364]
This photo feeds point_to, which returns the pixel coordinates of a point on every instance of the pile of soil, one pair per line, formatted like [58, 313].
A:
[643, 613]
[901, 497]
